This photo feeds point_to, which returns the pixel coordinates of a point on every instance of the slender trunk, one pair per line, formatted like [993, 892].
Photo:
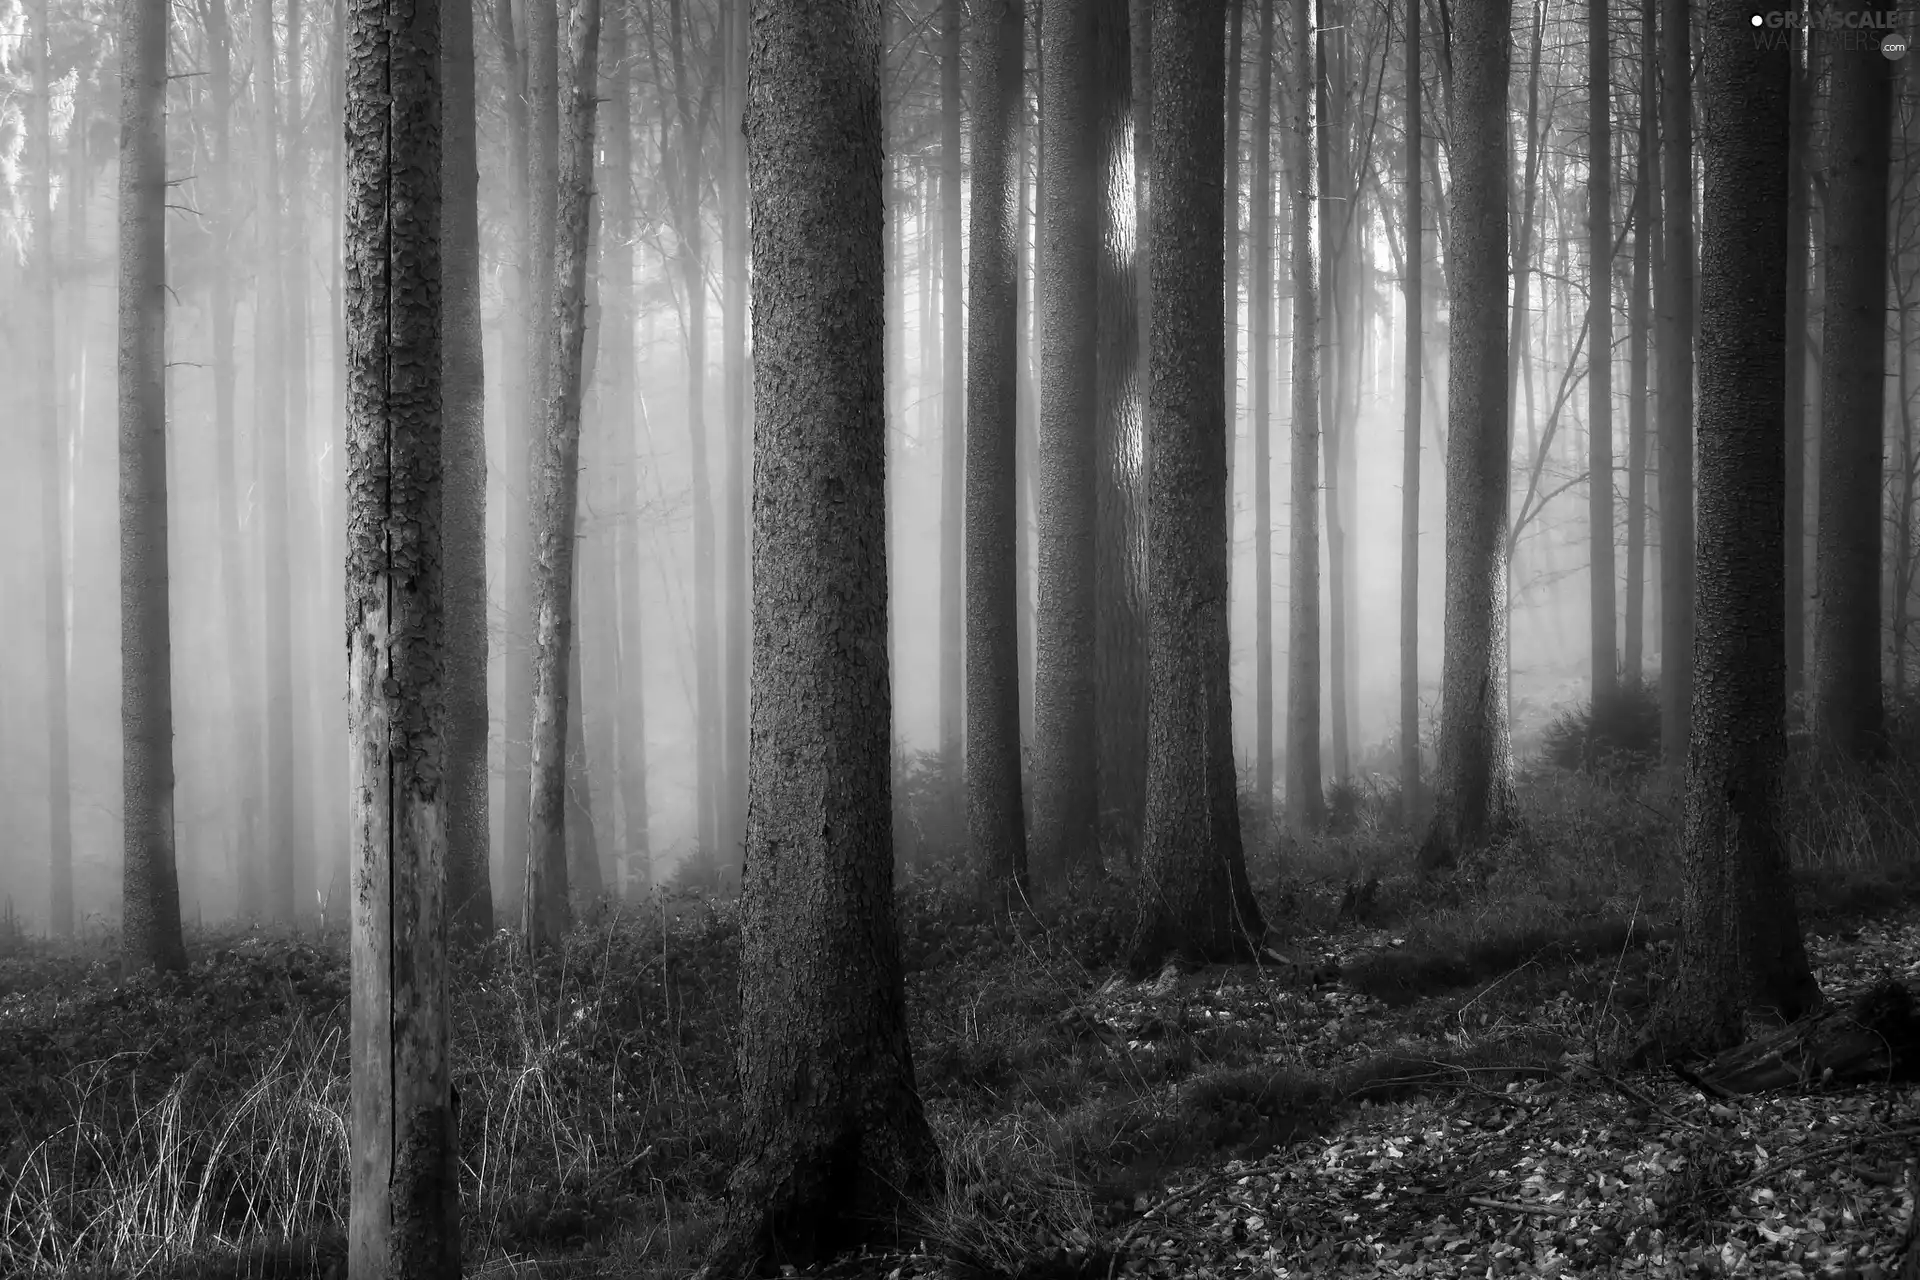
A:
[303, 491]
[1605, 670]
[1026, 426]
[1675, 372]
[150, 927]
[1645, 161]
[1411, 270]
[556, 495]
[1230, 289]
[1260, 357]
[1306, 804]
[953, 716]
[736, 376]
[1330, 86]
[1799, 219]
[516, 337]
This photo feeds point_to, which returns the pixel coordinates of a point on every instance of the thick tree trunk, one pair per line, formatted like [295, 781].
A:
[995, 824]
[1411, 271]
[1306, 804]
[1799, 254]
[1260, 358]
[1230, 287]
[1193, 896]
[1473, 786]
[1026, 423]
[556, 496]
[953, 456]
[1848, 704]
[150, 924]
[834, 1134]
[404, 1219]
[1605, 670]
[463, 518]
[1742, 950]
[1675, 373]
[1065, 806]
[46, 427]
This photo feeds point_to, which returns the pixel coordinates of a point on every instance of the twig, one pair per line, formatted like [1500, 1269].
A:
[1205, 1184]
[1778, 1163]
[1551, 1210]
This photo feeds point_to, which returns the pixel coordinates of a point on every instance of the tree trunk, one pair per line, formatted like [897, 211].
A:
[1741, 950]
[1645, 169]
[404, 1219]
[834, 1134]
[1411, 271]
[1065, 808]
[1473, 785]
[303, 491]
[1306, 804]
[1799, 254]
[1847, 698]
[735, 404]
[1230, 287]
[1026, 422]
[953, 713]
[556, 497]
[1605, 671]
[150, 929]
[463, 516]
[995, 824]
[1675, 373]
[1193, 896]
[1260, 357]
[53, 574]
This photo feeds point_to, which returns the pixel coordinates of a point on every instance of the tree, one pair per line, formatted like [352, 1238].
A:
[1847, 699]
[1473, 786]
[1799, 260]
[835, 1136]
[1741, 949]
[953, 714]
[150, 929]
[1605, 668]
[1306, 805]
[463, 517]
[404, 1217]
[556, 495]
[1674, 370]
[1646, 161]
[1065, 808]
[995, 822]
[735, 406]
[1414, 267]
[1193, 895]
[1260, 358]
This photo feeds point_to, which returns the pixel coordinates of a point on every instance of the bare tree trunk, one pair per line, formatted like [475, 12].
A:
[1411, 270]
[1193, 895]
[303, 492]
[1605, 670]
[1473, 786]
[1675, 372]
[404, 1219]
[1645, 168]
[150, 927]
[1230, 287]
[463, 519]
[1026, 422]
[556, 498]
[835, 1138]
[1306, 804]
[737, 406]
[953, 456]
[1799, 253]
[995, 822]
[1260, 358]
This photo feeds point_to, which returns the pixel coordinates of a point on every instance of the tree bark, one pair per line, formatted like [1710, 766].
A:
[1645, 168]
[1799, 260]
[1230, 287]
[404, 1219]
[557, 494]
[1741, 950]
[1065, 808]
[1605, 671]
[1306, 804]
[1473, 785]
[735, 403]
[1260, 358]
[995, 823]
[1193, 896]
[953, 456]
[150, 925]
[1675, 373]
[1848, 703]
[463, 517]
[834, 1134]
[1412, 269]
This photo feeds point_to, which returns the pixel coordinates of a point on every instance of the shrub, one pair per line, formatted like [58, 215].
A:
[1618, 735]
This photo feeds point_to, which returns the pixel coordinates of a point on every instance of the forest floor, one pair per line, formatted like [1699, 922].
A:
[1419, 1086]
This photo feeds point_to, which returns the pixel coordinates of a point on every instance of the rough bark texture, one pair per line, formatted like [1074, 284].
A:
[1260, 360]
[1193, 895]
[994, 813]
[1414, 268]
[556, 497]
[463, 516]
[1230, 286]
[1473, 786]
[834, 1135]
[1799, 262]
[1605, 647]
[1306, 805]
[1674, 370]
[953, 630]
[1065, 807]
[1847, 700]
[1741, 950]
[404, 1217]
[150, 912]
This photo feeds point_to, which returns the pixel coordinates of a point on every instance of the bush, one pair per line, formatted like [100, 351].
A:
[1618, 736]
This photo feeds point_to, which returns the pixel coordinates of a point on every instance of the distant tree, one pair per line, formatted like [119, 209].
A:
[953, 457]
[1605, 648]
[1646, 170]
[556, 498]
[150, 930]
[834, 1134]
[1848, 709]
[1473, 786]
[737, 408]
[1193, 895]
[404, 1194]
[1414, 268]
[1065, 808]
[1675, 373]
[1306, 804]
[1800, 114]
[1260, 360]
[1741, 949]
[463, 522]
[995, 822]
